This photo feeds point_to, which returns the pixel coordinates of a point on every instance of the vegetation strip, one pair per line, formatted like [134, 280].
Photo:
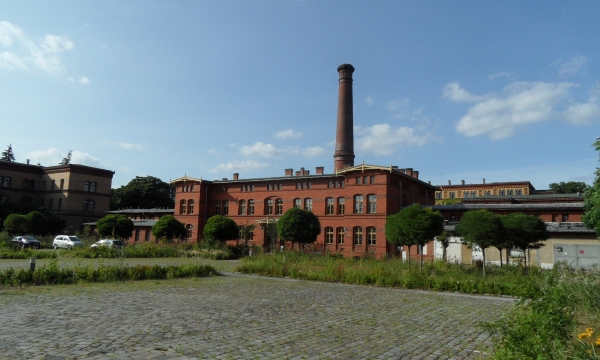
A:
[52, 274]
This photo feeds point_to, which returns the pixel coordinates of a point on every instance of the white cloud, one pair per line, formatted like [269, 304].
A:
[53, 156]
[288, 134]
[83, 158]
[505, 74]
[455, 92]
[314, 151]
[383, 139]
[127, 146]
[369, 101]
[83, 80]
[236, 165]
[213, 151]
[399, 108]
[570, 67]
[267, 150]
[24, 53]
[521, 103]
[583, 114]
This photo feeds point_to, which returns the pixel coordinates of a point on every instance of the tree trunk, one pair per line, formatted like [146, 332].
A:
[408, 256]
[444, 254]
[421, 263]
[483, 252]
[507, 254]
[500, 257]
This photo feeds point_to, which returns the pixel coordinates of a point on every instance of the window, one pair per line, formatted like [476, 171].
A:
[518, 192]
[225, 207]
[438, 195]
[341, 205]
[329, 206]
[24, 183]
[372, 179]
[137, 235]
[62, 183]
[341, 234]
[190, 206]
[452, 195]
[59, 204]
[358, 204]
[502, 192]
[342, 183]
[510, 192]
[86, 186]
[50, 202]
[329, 235]
[371, 236]
[372, 204]
[308, 204]
[337, 184]
[358, 180]
[309, 185]
[242, 207]
[365, 180]
[91, 205]
[217, 207]
[85, 205]
[298, 203]
[269, 210]
[92, 187]
[279, 207]
[466, 194]
[297, 186]
[6, 182]
[147, 238]
[250, 207]
[358, 235]
[304, 185]
[473, 194]
[182, 206]
[330, 184]
[487, 192]
[453, 217]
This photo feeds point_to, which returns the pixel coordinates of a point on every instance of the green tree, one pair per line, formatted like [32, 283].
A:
[220, 228]
[15, 224]
[570, 187]
[37, 224]
[144, 192]
[115, 226]
[481, 228]
[298, 225]
[56, 223]
[414, 225]
[168, 227]
[524, 231]
[591, 207]
[444, 240]
[67, 160]
[8, 155]
[247, 232]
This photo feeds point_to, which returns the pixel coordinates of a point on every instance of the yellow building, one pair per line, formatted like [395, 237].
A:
[452, 194]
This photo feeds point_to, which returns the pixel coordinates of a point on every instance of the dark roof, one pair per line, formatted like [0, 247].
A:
[513, 207]
[531, 197]
[488, 184]
[141, 211]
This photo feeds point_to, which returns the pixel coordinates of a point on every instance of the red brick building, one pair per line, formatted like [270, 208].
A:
[352, 203]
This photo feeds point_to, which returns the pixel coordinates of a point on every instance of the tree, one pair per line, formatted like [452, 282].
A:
[414, 225]
[37, 224]
[591, 207]
[246, 232]
[144, 192]
[570, 187]
[15, 224]
[67, 160]
[524, 231]
[297, 225]
[56, 223]
[220, 228]
[168, 227]
[444, 240]
[8, 155]
[115, 226]
[482, 228]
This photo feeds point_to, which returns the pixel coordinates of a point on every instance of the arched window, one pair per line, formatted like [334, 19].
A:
[358, 204]
[137, 235]
[6, 182]
[242, 207]
[86, 186]
[279, 207]
[298, 203]
[269, 209]
[182, 206]
[190, 206]
[93, 186]
[85, 205]
[91, 207]
[371, 236]
[329, 206]
[372, 204]
[328, 235]
[251, 207]
[341, 234]
[358, 235]
[88, 205]
[518, 192]
[341, 205]
[217, 207]
[225, 207]
[308, 204]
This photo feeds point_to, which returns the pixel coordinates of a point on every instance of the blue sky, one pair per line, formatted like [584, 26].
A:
[458, 90]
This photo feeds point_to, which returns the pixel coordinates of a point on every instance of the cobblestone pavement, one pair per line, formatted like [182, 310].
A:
[242, 317]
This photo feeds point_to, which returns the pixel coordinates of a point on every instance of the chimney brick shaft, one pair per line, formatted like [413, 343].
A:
[344, 136]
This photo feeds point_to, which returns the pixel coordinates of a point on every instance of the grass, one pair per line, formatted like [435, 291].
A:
[437, 276]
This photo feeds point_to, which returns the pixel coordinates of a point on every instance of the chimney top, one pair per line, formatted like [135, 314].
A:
[449, 182]
[462, 182]
[236, 176]
[484, 180]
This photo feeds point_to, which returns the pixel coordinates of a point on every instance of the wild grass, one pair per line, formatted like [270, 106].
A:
[53, 274]
[437, 276]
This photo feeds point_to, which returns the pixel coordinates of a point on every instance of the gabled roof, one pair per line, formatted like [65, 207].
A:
[393, 170]
[184, 179]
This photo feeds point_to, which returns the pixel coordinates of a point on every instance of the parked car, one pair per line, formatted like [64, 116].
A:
[108, 243]
[66, 242]
[26, 242]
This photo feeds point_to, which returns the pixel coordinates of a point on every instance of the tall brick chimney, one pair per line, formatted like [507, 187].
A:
[344, 135]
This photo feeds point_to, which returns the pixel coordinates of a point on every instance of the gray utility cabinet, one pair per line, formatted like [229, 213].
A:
[578, 256]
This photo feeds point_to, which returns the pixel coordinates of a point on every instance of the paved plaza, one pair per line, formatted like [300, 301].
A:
[242, 317]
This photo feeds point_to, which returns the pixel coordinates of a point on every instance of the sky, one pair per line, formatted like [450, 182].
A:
[458, 90]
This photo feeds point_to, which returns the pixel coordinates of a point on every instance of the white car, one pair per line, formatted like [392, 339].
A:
[108, 243]
[66, 242]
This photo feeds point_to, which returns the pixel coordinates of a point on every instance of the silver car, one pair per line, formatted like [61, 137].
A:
[26, 242]
[66, 242]
[108, 243]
